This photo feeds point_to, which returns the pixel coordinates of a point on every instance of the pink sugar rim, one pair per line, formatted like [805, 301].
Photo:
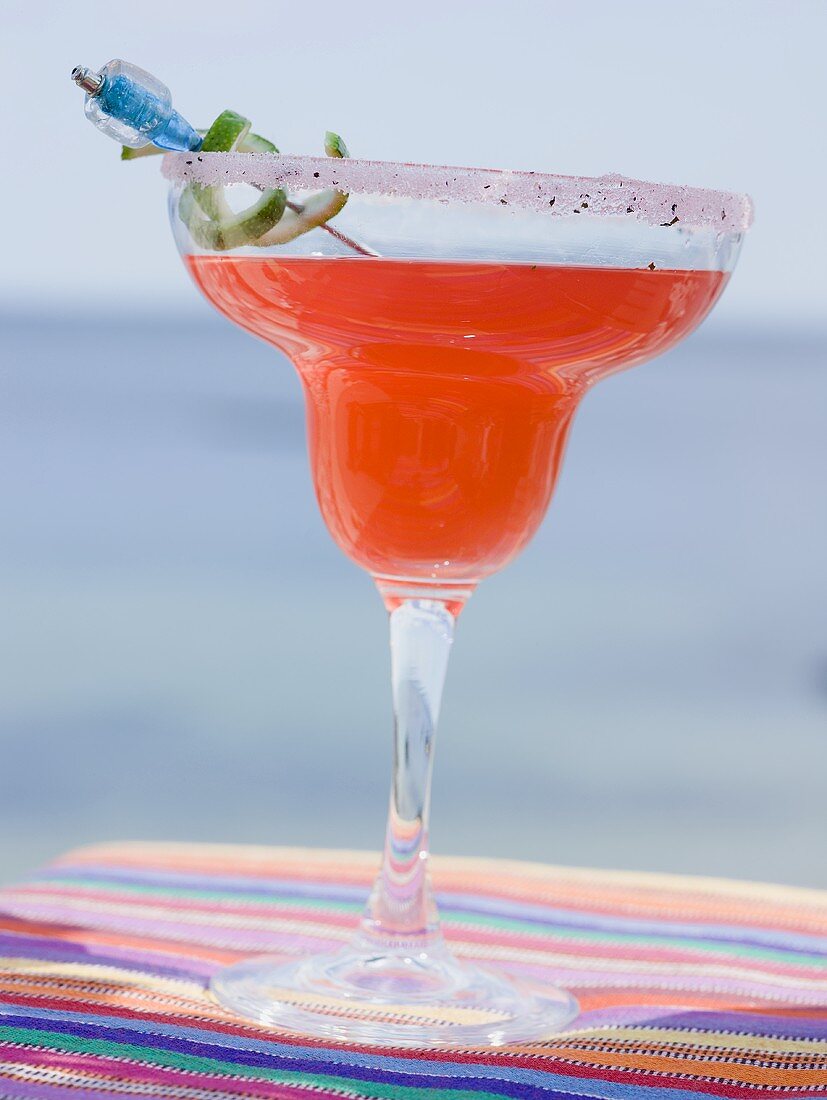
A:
[659, 204]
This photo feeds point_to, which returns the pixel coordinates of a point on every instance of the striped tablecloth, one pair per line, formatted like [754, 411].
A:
[688, 986]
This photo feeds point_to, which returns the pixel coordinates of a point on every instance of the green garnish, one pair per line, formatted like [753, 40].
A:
[226, 133]
[254, 143]
[221, 228]
[272, 219]
[128, 153]
[334, 146]
[220, 233]
[300, 218]
[227, 229]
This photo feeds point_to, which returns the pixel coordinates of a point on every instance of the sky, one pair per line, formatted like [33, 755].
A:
[727, 95]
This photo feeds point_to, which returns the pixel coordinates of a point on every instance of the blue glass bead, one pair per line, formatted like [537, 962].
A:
[135, 108]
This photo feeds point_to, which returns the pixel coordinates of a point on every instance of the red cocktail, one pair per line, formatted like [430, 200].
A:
[440, 394]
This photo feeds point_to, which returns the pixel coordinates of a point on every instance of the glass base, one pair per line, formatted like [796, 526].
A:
[393, 999]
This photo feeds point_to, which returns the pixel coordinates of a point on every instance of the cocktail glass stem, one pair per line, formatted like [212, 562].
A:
[395, 981]
[401, 915]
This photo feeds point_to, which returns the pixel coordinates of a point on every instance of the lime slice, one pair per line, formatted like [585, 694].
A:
[226, 133]
[213, 223]
[221, 227]
[224, 136]
[254, 143]
[317, 210]
[234, 230]
[334, 146]
[313, 212]
[128, 153]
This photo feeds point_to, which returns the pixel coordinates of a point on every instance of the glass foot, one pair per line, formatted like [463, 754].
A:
[404, 1000]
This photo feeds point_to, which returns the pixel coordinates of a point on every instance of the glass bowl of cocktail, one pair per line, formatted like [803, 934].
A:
[445, 324]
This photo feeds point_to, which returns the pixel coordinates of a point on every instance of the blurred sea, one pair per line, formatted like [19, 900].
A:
[185, 654]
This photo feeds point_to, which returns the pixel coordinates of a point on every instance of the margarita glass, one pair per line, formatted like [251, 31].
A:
[444, 326]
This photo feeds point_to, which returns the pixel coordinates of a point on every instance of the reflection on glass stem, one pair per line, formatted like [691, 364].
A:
[401, 912]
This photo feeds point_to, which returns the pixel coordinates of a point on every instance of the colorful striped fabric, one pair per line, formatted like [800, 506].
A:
[688, 987]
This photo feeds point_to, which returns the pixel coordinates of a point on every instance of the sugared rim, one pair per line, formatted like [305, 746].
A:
[659, 204]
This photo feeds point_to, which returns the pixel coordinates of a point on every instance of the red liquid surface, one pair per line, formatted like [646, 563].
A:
[440, 395]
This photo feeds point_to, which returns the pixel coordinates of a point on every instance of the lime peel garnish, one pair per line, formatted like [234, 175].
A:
[226, 136]
[272, 219]
[212, 222]
[334, 146]
[233, 230]
[300, 218]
